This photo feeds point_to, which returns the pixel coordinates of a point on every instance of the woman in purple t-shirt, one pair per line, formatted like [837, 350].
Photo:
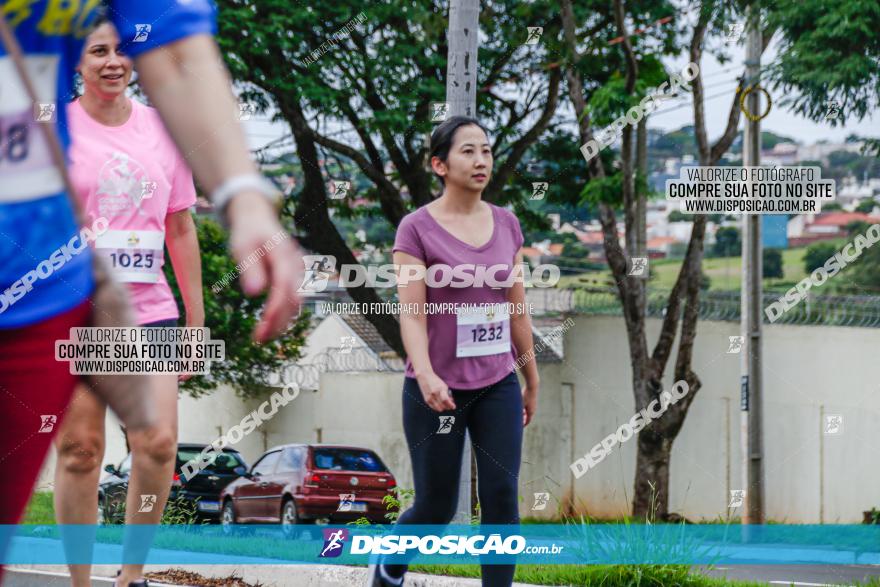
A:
[463, 324]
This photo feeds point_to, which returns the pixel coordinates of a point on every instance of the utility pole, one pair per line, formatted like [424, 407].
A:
[461, 94]
[752, 297]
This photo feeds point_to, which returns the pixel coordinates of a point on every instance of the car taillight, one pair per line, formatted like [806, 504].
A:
[392, 483]
[175, 480]
[312, 479]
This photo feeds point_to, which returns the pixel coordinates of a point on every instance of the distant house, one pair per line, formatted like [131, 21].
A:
[542, 252]
[659, 247]
[809, 228]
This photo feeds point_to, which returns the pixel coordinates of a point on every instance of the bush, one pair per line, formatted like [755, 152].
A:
[817, 254]
[773, 264]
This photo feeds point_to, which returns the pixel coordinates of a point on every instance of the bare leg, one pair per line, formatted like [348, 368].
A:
[80, 445]
[153, 453]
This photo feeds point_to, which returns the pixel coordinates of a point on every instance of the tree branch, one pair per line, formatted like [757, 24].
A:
[521, 145]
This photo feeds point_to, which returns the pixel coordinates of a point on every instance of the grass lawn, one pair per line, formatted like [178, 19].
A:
[41, 510]
[724, 273]
[596, 575]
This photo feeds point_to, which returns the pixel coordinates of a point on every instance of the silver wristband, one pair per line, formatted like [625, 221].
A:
[222, 196]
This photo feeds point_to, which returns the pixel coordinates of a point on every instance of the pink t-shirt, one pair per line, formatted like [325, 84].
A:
[466, 352]
[134, 176]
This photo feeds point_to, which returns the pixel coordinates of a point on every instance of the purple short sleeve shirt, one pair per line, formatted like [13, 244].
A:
[421, 236]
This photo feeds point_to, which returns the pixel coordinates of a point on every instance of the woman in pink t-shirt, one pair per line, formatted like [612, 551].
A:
[126, 169]
[465, 328]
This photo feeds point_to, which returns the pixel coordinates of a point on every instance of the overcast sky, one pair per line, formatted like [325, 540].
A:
[720, 84]
[721, 79]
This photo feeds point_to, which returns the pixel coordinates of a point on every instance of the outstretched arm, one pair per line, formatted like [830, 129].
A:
[189, 86]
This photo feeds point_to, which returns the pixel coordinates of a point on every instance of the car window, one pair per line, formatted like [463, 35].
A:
[266, 465]
[219, 462]
[344, 459]
[291, 460]
[125, 465]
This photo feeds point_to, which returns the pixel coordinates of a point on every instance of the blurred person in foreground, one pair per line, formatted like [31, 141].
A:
[44, 293]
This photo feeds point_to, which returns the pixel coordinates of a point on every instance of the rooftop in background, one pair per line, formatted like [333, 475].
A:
[842, 219]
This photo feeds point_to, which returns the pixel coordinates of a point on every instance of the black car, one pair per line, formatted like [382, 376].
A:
[197, 498]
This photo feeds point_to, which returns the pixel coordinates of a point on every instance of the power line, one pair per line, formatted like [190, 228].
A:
[688, 103]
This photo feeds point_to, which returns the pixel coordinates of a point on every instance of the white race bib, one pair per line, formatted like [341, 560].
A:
[482, 330]
[26, 169]
[135, 256]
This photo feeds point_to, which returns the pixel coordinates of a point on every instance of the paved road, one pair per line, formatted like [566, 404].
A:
[341, 576]
[265, 575]
[799, 575]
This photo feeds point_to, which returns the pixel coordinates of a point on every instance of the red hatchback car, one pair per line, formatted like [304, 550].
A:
[299, 483]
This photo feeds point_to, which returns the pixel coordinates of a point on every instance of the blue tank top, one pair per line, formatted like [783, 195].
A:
[44, 268]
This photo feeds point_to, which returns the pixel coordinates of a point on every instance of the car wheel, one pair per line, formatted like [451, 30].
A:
[289, 517]
[227, 518]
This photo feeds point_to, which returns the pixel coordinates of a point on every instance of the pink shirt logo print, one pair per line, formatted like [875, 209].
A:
[121, 186]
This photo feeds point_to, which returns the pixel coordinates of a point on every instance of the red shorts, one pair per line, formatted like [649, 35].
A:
[34, 392]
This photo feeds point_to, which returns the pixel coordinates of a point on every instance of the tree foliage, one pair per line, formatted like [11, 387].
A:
[816, 255]
[728, 242]
[232, 316]
[829, 50]
[772, 264]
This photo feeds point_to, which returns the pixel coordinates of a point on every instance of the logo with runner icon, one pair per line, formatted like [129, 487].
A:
[147, 503]
[446, 423]
[319, 268]
[133, 240]
[334, 540]
[45, 112]
[535, 33]
[539, 190]
[346, 500]
[339, 189]
[147, 189]
[439, 111]
[47, 423]
[142, 31]
[541, 501]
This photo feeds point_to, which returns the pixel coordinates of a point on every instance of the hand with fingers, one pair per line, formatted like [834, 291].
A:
[253, 223]
[436, 393]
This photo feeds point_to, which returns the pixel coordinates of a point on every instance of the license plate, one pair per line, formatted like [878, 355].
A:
[209, 506]
[358, 506]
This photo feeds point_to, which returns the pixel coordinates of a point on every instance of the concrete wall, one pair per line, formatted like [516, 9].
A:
[809, 372]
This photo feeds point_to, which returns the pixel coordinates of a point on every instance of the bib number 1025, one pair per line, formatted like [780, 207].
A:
[136, 260]
[483, 334]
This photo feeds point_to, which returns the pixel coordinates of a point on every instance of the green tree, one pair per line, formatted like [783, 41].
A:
[772, 266]
[728, 242]
[816, 255]
[866, 206]
[574, 257]
[232, 316]
[356, 79]
[829, 50]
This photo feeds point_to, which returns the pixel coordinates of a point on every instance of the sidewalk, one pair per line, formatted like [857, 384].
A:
[264, 575]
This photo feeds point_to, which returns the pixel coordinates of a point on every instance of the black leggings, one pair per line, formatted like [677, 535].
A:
[493, 417]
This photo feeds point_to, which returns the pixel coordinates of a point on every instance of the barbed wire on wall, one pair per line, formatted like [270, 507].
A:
[861, 311]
